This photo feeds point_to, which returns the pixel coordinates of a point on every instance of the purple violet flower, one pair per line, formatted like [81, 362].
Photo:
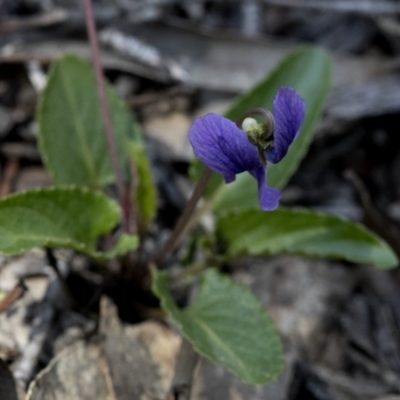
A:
[226, 149]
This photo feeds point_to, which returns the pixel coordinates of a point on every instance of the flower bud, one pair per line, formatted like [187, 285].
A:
[260, 134]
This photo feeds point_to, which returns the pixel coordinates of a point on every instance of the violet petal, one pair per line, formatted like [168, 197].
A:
[267, 196]
[289, 110]
[225, 149]
[222, 146]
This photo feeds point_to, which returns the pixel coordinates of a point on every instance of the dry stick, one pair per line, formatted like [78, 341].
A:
[105, 111]
[374, 220]
[11, 297]
[24, 58]
[370, 7]
[184, 218]
[10, 173]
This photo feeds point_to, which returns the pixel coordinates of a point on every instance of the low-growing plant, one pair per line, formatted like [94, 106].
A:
[225, 322]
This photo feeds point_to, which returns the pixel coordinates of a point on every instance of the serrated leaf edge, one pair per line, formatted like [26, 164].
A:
[42, 100]
[67, 242]
[381, 242]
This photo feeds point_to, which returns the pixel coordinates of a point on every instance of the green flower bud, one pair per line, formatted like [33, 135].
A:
[261, 134]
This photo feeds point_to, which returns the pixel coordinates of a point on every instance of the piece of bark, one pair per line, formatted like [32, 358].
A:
[224, 62]
[123, 362]
[350, 103]
[76, 373]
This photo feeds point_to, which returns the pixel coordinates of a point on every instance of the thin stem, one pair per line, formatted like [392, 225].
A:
[172, 241]
[105, 112]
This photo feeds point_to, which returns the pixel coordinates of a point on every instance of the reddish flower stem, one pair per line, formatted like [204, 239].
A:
[173, 240]
[105, 112]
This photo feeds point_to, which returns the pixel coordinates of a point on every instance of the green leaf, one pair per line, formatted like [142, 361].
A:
[228, 325]
[302, 232]
[71, 132]
[308, 70]
[145, 189]
[125, 243]
[2, 295]
[67, 217]
[239, 195]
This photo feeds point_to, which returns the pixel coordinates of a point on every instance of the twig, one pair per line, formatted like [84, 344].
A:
[24, 58]
[370, 7]
[373, 218]
[382, 371]
[10, 173]
[173, 240]
[105, 111]
[50, 18]
[12, 296]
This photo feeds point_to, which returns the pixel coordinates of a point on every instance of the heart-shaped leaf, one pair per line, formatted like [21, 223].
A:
[71, 131]
[228, 325]
[69, 217]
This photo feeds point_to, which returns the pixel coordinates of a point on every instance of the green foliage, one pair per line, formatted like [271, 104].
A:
[145, 191]
[71, 132]
[228, 325]
[308, 70]
[302, 232]
[69, 217]
[124, 244]
[237, 196]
